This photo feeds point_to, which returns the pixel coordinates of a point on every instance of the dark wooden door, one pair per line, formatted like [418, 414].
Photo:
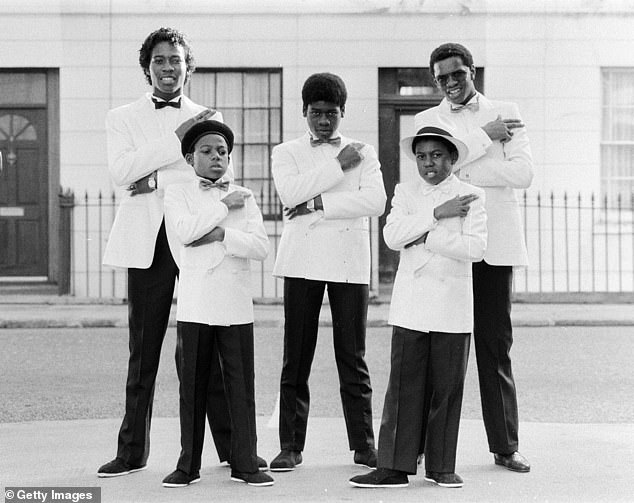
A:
[23, 193]
[403, 92]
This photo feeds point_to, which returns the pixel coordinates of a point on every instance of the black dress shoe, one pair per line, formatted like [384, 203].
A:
[118, 467]
[366, 457]
[381, 477]
[257, 479]
[178, 478]
[514, 462]
[286, 461]
[262, 466]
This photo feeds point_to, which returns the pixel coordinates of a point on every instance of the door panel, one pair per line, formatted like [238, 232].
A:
[23, 193]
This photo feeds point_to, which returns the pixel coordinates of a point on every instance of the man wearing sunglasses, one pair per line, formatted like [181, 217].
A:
[499, 161]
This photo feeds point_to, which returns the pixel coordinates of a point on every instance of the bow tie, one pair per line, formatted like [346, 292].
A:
[315, 142]
[443, 188]
[208, 184]
[158, 104]
[474, 106]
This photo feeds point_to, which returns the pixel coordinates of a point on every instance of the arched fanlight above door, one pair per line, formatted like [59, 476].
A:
[15, 127]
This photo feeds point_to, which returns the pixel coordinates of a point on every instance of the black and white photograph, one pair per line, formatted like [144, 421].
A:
[317, 251]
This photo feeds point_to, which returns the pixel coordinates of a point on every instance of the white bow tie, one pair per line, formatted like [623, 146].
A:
[443, 188]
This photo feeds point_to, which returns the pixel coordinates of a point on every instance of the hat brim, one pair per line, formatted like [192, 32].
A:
[434, 132]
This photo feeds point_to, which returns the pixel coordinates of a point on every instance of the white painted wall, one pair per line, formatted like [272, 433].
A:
[547, 58]
[546, 55]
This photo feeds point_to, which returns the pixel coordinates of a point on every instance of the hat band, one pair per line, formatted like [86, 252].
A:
[433, 130]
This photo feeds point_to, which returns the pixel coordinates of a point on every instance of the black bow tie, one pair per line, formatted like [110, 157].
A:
[315, 142]
[208, 184]
[158, 104]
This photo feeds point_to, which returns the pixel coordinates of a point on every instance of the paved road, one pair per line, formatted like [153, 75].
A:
[575, 389]
[565, 375]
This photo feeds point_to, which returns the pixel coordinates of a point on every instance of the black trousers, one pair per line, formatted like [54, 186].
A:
[423, 400]
[197, 346]
[349, 306]
[493, 338]
[150, 294]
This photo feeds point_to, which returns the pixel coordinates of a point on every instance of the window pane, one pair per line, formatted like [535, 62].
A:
[229, 91]
[622, 124]
[16, 127]
[256, 126]
[415, 81]
[258, 189]
[236, 162]
[618, 87]
[256, 90]
[23, 88]
[202, 89]
[232, 117]
[275, 95]
[250, 103]
[256, 161]
[617, 150]
[276, 126]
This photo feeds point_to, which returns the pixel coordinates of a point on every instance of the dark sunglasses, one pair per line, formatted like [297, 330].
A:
[458, 76]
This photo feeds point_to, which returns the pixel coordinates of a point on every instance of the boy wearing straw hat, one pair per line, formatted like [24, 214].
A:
[438, 224]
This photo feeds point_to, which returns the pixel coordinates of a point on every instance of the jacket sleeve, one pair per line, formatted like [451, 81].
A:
[252, 243]
[191, 224]
[295, 187]
[129, 162]
[368, 200]
[514, 170]
[469, 243]
[402, 225]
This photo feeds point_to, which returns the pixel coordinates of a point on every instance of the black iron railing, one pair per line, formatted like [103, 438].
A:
[577, 244]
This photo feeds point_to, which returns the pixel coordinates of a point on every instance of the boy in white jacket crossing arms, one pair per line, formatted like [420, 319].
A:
[438, 223]
[220, 229]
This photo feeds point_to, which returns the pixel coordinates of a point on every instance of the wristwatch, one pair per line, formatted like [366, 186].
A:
[311, 204]
[152, 181]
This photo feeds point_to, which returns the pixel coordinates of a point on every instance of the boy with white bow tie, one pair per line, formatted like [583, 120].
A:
[220, 228]
[438, 224]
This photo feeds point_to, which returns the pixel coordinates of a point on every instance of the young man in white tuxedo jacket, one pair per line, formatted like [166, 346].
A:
[330, 186]
[500, 162]
[438, 224]
[144, 157]
[220, 229]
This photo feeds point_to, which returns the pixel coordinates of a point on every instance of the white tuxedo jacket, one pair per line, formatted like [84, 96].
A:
[142, 140]
[214, 286]
[433, 289]
[333, 244]
[499, 168]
